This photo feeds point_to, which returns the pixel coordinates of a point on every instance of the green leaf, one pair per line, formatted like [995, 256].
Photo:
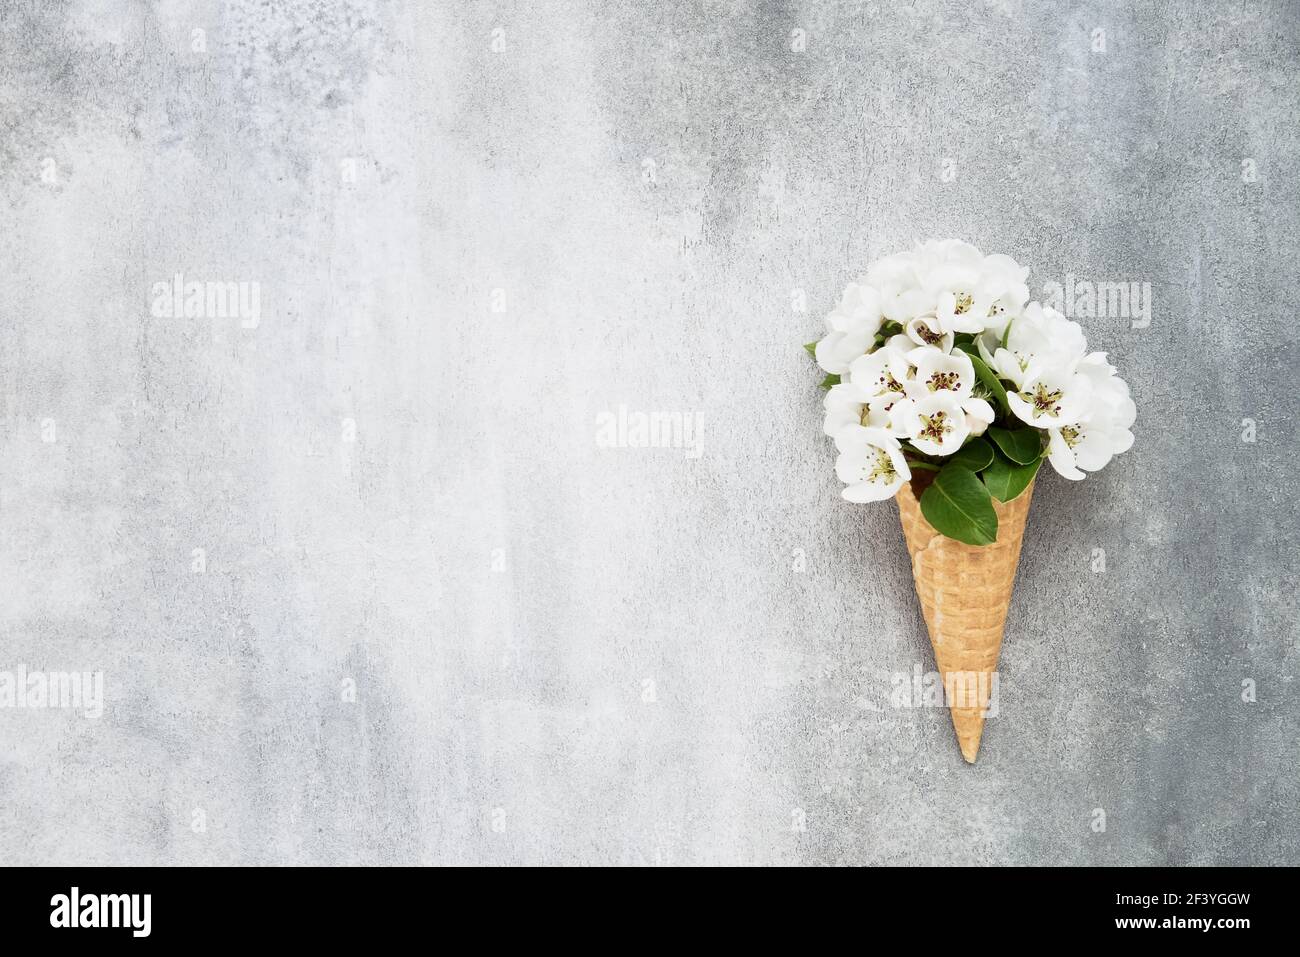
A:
[974, 455]
[1006, 332]
[1006, 479]
[890, 328]
[964, 339]
[830, 380]
[957, 504]
[1021, 446]
[811, 347]
[991, 381]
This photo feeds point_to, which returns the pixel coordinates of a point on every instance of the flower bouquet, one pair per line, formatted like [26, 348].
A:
[946, 390]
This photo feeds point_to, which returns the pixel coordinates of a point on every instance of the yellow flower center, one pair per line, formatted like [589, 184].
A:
[883, 467]
[935, 427]
[1044, 401]
[888, 383]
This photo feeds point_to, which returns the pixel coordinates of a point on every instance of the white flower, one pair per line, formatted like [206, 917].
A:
[1040, 333]
[941, 372]
[962, 311]
[935, 424]
[870, 463]
[1101, 374]
[979, 415]
[899, 343]
[852, 328]
[925, 331]
[919, 385]
[882, 376]
[971, 292]
[1004, 363]
[1050, 395]
[1004, 283]
[952, 374]
[902, 295]
[896, 270]
[1103, 431]
[846, 405]
[936, 289]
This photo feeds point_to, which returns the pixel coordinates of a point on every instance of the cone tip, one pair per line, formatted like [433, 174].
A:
[970, 749]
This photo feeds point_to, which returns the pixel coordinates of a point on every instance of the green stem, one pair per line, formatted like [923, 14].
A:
[918, 464]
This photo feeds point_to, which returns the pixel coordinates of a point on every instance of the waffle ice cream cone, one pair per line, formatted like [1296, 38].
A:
[965, 591]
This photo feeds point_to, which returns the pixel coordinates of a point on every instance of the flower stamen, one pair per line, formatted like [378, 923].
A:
[928, 335]
[935, 427]
[883, 468]
[943, 380]
[1044, 401]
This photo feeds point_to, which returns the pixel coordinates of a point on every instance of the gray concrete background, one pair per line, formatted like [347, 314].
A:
[570, 654]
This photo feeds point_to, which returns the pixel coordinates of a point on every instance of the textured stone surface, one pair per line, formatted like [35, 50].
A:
[477, 227]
